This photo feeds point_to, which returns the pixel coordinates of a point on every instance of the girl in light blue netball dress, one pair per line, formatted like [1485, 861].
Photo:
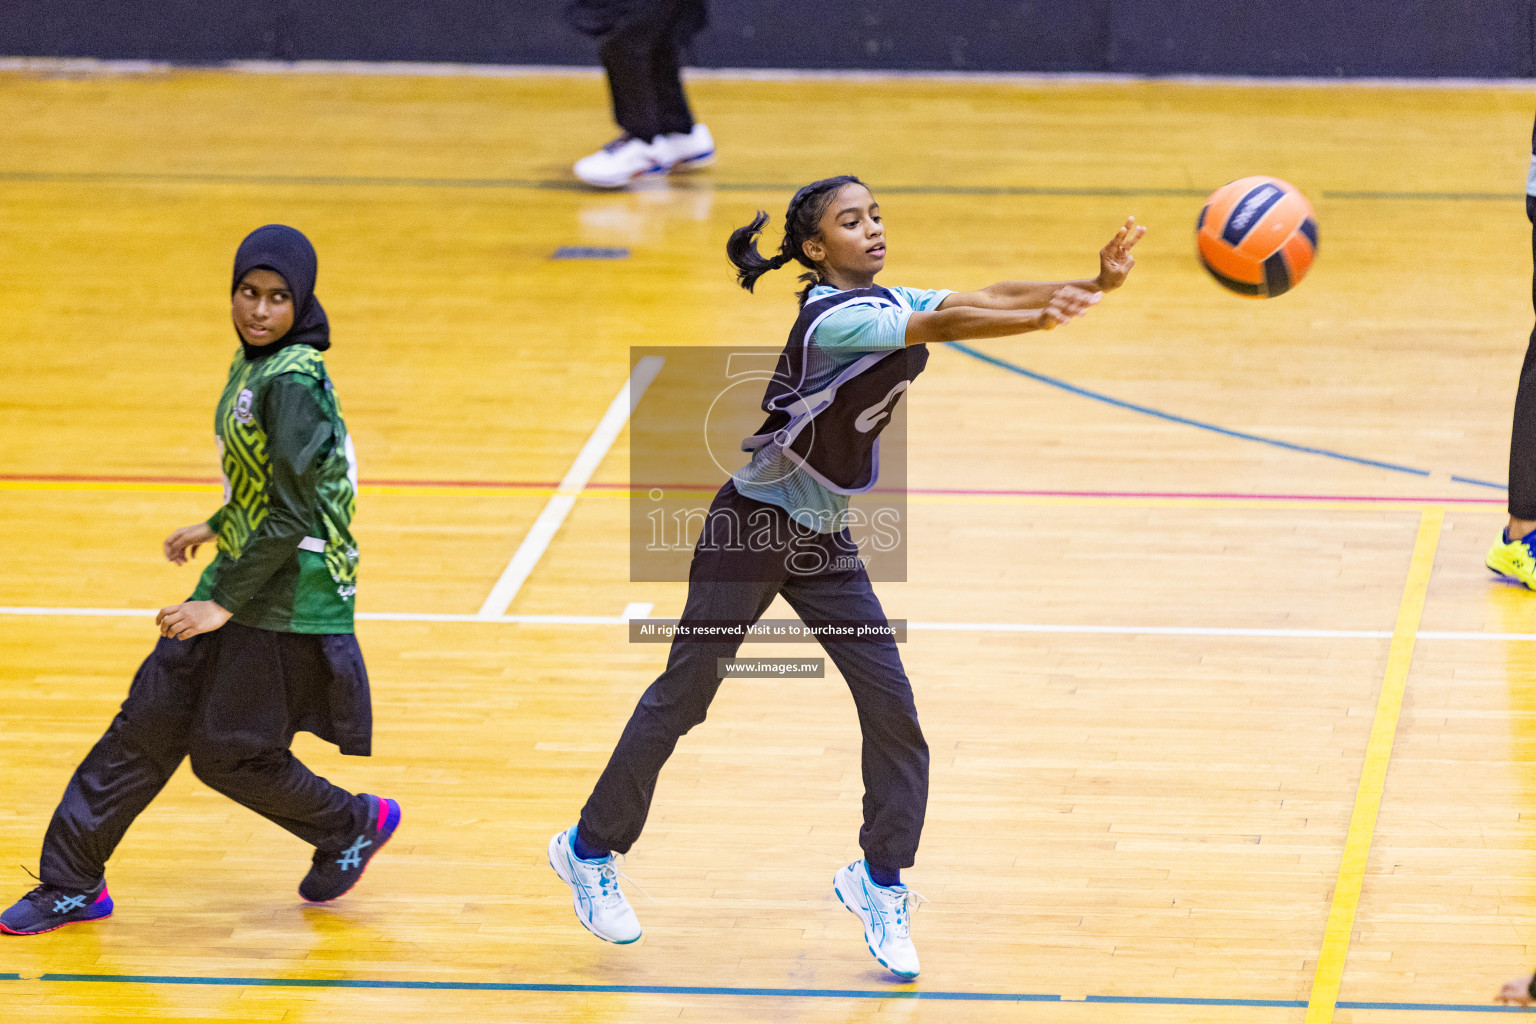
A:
[853, 351]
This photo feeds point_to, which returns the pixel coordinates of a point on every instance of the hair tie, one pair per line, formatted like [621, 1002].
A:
[779, 260]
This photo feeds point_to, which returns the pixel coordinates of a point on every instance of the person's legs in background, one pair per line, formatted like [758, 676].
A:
[1513, 556]
[641, 57]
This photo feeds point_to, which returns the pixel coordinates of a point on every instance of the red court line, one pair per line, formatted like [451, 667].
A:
[73, 478]
[449, 485]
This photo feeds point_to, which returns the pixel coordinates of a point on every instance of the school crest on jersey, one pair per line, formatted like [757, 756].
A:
[243, 407]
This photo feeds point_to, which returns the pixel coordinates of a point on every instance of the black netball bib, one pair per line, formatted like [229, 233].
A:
[834, 433]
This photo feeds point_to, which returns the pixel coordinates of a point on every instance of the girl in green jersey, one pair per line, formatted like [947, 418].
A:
[264, 647]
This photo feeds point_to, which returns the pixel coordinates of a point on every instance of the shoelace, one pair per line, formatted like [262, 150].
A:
[608, 875]
[618, 143]
[39, 890]
[905, 908]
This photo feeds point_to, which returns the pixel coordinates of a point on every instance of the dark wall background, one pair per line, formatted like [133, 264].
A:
[1484, 38]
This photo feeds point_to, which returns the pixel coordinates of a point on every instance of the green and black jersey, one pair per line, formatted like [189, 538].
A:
[286, 561]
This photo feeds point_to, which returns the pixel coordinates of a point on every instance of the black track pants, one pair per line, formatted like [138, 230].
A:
[165, 719]
[1522, 441]
[641, 58]
[726, 586]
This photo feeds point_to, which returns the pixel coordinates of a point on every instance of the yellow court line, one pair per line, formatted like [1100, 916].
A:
[1373, 775]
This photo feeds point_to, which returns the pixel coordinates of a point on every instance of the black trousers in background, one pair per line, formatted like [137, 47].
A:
[738, 586]
[641, 57]
[1522, 441]
[180, 705]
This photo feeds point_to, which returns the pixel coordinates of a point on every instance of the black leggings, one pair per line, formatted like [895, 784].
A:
[165, 719]
[1522, 440]
[737, 587]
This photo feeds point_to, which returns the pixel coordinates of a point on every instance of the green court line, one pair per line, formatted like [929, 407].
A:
[564, 185]
[511, 986]
[902, 992]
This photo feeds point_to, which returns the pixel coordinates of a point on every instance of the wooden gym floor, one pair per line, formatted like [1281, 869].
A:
[1160, 663]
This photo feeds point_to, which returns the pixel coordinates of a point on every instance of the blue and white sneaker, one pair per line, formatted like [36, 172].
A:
[48, 907]
[334, 872]
[681, 151]
[618, 163]
[886, 914]
[600, 904]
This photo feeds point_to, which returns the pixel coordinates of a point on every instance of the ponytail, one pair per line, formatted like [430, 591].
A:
[741, 250]
[802, 222]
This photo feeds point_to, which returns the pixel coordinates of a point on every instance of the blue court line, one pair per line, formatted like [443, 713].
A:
[1195, 1001]
[722, 990]
[1119, 403]
[1479, 483]
[566, 185]
[512, 986]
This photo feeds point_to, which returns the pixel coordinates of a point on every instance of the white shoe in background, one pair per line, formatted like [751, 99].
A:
[679, 152]
[886, 914]
[618, 163]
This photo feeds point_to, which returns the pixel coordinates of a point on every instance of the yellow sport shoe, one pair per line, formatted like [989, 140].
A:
[1514, 559]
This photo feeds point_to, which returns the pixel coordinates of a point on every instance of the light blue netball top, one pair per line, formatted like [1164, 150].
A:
[847, 334]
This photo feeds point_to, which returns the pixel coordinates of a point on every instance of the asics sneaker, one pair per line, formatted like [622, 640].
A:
[618, 163]
[336, 871]
[48, 907]
[886, 914]
[1515, 559]
[677, 151]
[600, 904]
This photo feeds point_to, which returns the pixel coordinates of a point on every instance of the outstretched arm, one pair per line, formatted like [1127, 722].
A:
[1115, 263]
[963, 323]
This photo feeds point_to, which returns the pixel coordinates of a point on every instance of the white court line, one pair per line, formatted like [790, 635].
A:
[439, 69]
[559, 505]
[1033, 627]
[934, 627]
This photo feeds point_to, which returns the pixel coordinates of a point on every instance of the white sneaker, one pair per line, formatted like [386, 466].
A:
[599, 902]
[887, 917]
[679, 152]
[618, 163]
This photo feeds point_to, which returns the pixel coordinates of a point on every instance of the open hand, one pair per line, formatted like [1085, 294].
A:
[190, 618]
[1115, 259]
[1068, 303]
[1517, 992]
[183, 544]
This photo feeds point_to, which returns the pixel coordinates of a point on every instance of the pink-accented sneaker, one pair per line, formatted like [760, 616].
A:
[49, 907]
[334, 872]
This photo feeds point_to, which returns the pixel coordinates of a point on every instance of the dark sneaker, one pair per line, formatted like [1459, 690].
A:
[48, 907]
[336, 871]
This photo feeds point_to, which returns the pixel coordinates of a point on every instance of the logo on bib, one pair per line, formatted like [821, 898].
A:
[871, 417]
[243, 407]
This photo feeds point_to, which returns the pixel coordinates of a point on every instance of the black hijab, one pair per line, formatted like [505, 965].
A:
[284, 250]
